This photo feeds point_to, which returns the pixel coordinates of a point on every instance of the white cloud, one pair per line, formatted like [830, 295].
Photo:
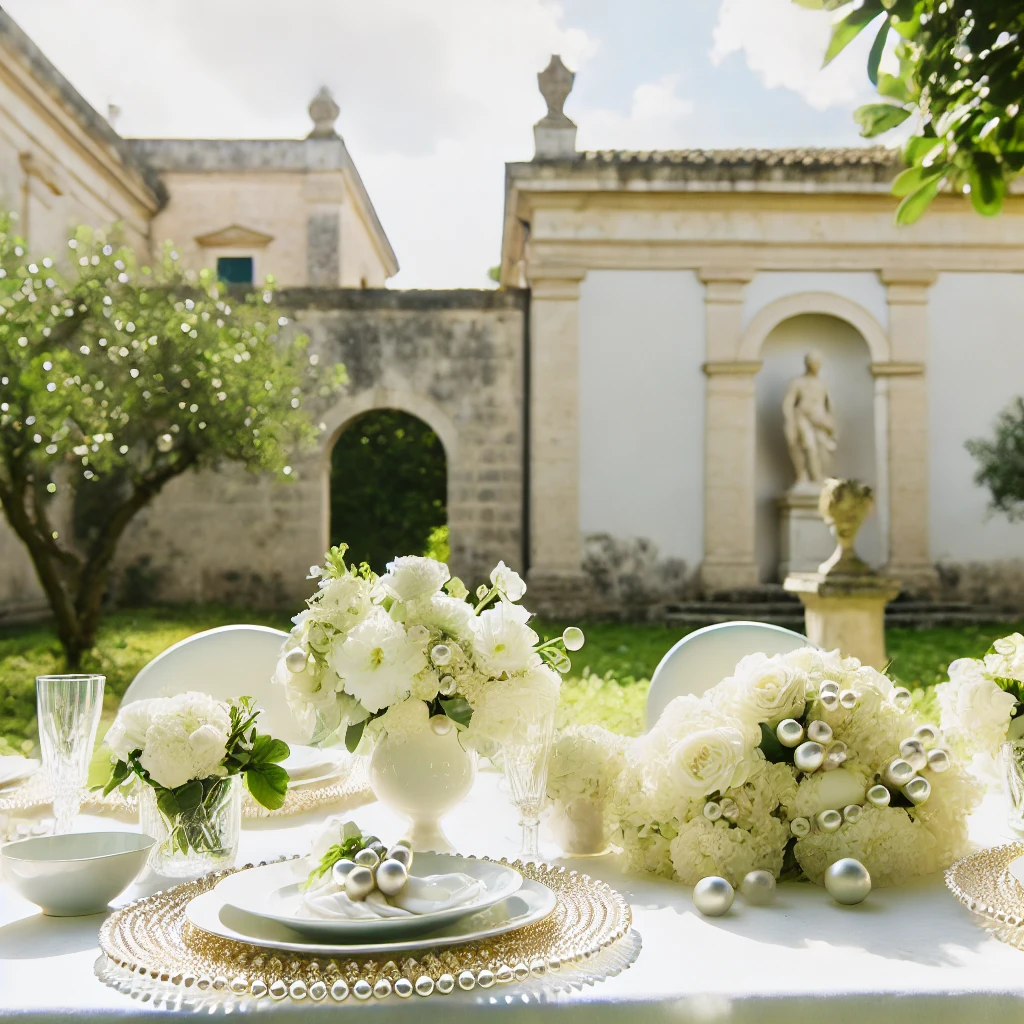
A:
[783, 44]
[658, 118]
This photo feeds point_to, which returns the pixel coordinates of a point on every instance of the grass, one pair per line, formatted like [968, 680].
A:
[607, 685]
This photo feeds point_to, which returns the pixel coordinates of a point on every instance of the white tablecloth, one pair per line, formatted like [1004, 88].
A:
[911, 954]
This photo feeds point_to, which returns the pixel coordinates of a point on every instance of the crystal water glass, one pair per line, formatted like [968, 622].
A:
[526, 772]
[69, 713]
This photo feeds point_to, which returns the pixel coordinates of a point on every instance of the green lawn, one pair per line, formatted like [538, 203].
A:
[608, 682]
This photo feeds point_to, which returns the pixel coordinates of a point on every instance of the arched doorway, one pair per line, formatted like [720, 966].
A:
[846, 370]
[388, 488]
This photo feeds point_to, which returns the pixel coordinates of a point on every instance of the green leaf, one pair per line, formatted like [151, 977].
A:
[916, 202]
[876, 118]
[118, 774]
[268, 785]
[353, 734]
[167, 803]
[844, 32]
[458, 709]
[267, 749]
[875, 56]
[913, 178]
[772, 749]
[189, 796]
[894, 87]
[988, 186]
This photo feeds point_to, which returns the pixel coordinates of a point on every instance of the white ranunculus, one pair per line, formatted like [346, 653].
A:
[508, 582]
[186, 739]
[413, 578]
[502, 642]
[973, 707]
[376, 660]
[763, 689]
[709, 761]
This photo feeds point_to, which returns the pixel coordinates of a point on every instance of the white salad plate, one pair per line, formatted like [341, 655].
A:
[274, 892]
[531, 903]
[310, 766]
[15, 769]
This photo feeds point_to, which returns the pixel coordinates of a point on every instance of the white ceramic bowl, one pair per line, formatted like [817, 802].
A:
[76, 874]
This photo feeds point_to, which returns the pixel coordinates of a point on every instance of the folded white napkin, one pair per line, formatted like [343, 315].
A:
[427, 895]
[14, 768]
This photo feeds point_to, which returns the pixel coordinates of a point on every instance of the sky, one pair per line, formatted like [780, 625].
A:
[435, 97]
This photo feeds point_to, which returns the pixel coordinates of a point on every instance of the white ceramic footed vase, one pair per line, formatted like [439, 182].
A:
[422, 777]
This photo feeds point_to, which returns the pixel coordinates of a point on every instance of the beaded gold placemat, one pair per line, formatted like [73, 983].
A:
[982, 883]
[151, 951]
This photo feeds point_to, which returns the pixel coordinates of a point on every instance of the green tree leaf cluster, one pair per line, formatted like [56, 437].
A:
[1001, 462]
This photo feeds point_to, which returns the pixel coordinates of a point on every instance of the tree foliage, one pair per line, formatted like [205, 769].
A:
[115, 379]
[1001, 462]
[388, 488]
[961, 69]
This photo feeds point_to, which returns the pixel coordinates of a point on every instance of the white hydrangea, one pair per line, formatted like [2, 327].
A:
[403, 720]
[413, 578]
[585, 759]
[505, 711]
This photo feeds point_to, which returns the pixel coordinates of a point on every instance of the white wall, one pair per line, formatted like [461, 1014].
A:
[642, 408]
[975, 366]
[846, 373]
[864, 288]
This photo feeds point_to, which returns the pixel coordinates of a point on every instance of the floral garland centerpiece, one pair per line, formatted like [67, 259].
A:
[191, 752]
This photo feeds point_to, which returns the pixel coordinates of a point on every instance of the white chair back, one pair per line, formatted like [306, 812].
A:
[707, 656]
[230, 661]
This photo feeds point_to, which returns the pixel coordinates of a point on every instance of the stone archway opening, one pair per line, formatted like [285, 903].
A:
[388, 488]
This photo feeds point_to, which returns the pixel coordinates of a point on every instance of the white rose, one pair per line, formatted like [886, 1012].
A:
[763, 689]
[413, 578]
[377, 661]
[973, 707]
[508, 582]
[502, 642]
[709, 761]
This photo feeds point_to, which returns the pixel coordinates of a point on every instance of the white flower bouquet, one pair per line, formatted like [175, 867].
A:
[788, 765]
[379, 655]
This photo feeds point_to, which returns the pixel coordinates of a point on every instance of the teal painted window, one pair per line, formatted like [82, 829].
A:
[235, 269]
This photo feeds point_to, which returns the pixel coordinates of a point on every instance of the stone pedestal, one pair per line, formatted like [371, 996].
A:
[805, 540]
[845, 612]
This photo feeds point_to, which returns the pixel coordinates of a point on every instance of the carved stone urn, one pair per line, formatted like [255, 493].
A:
[844, 505]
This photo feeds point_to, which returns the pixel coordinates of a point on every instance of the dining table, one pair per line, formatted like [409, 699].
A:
[906, 954]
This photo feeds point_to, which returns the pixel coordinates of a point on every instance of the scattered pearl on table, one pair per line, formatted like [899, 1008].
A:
[391, 877]
[848, 881]
[359, 883]
[938, 760]
[713, 896]
[879, 796]
[820, 732]
[809, 756]
[758, 887]
[789, 732]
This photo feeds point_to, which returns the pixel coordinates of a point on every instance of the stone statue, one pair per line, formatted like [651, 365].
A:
[324, 112]
[809, 424]
[554, 134]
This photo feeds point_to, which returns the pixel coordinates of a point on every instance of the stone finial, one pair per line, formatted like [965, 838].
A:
[844, 505]
[324, 112]
[555, 134]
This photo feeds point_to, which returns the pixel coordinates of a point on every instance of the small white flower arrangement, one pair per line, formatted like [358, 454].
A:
[790, 764]
[381, 655]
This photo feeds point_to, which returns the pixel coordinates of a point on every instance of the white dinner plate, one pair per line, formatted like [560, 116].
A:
[272, 892]
[310, 766]
[531, 903]
[15, 769]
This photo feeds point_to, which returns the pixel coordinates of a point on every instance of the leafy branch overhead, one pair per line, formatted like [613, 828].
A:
[961, 71]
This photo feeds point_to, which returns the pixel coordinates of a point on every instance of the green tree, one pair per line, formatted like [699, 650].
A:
[961, 70]
[388, 488]
[114, 380]
[1001, 462]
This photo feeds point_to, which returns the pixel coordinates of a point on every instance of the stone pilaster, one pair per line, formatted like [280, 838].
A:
[909, 551]
[730, 435]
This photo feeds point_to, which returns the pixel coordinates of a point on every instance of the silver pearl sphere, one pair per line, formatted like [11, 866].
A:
[440, 725]
[938, 759]
[829, 688]
[789, 732]
[848, 699]
[917, 790]
[852, 813]
[899, 772]
[391, 877]
[359, 883]
[829, 701]
[367, 858]
[378, 848]
[808, 756]
[928, 735]
[901, 697]
[400, 853]
[295, 660]
[713, 896]
[913, 752]
[829, 821]
[879, 796]
[712, 810]
[446, 687]
[820, 732]
[758, 887]
[800, 827]
[848, 881]
[836, 752]
[441, 654]
[730, 809]
[342, 869]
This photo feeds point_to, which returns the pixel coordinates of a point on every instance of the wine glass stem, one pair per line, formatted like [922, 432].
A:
[65, 807]
[531, 839]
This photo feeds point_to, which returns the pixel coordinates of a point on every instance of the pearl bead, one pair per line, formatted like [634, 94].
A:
[820, 732]
[295, 660]
[848, 699]
[441, 654]
[829, 821]
[836, 752]
[359, 883]
[367, 858]
[440, 725]
[852, 813]
[913, 752]
[730, 810]
[446, 687]
[391, 877]
[758, 887]
[713, 896]
[848, 881]
[829, 688]
[879, 796]
[402, 854]
[927, 734]
[808, 756]
[800, 827]
[712, 810]
[573, 638]
[938, 760]
[830, 701]
[790, 732]
[899, 772]
[917, 790]
[342, 869]
[901, 697]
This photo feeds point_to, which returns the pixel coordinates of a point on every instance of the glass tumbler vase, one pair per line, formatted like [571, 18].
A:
[526, 773]
[193, 842]
[69, 709]
[1011, 767]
